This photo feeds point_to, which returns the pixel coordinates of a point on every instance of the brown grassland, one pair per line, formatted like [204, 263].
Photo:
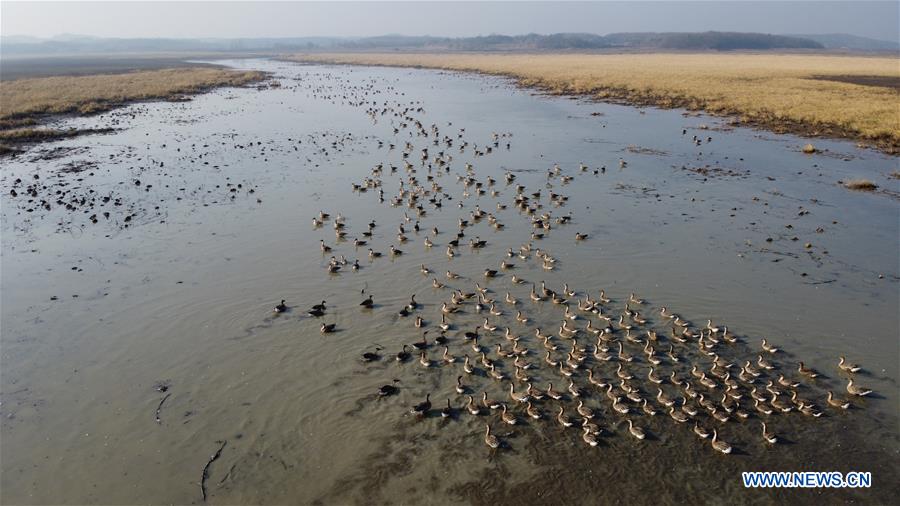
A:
[23, 98]
[809, 94]
[24, 102]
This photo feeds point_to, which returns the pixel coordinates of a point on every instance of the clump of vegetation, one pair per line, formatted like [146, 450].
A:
[809, 149]
[783, 92]
[860, 185]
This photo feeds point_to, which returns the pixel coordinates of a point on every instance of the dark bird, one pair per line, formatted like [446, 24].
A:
[422, 407]
[403, 355]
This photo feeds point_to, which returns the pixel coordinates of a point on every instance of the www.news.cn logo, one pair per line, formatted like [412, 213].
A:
[810, 479]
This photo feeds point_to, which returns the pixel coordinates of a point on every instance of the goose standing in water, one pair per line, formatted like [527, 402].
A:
[837, 403]
[422, 408]
[589, 437]
[280, 307]
[472, 407]
[844, 366]
[403, 355]
[490, 439]
[720, 446]
[635, 431]
[770, 437]
[447, 410]
[855, 390]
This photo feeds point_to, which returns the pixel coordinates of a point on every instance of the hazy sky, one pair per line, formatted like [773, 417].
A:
[296, 19]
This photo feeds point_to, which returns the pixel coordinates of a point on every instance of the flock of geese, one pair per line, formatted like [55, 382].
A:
[615, 363]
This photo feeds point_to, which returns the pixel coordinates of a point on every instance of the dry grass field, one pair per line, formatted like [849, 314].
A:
[25, 98]
[817, 95]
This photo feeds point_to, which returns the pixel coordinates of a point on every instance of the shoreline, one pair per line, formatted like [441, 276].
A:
[641, 98]
[21, 129]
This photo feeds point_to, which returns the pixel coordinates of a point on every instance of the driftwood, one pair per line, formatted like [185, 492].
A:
[205, 474]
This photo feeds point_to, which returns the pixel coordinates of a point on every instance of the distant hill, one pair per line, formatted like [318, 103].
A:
[719, 41]
[853, 42]
[715, 41]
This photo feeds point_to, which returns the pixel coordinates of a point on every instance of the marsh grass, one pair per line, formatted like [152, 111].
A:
[783, 92]
[23, 99]
[860, 185]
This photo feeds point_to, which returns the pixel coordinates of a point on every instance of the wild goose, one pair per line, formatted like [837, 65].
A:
[768, 347]
[447, 357]
[802, 369]
[844, 366]
[562, 418]
[421, 345]
[594, 381]
[444, 325]
[687, 408]
[507, 417]
[700, 431]
[523, 398]
[520, 317]
[573, 390]
[373, 253]
[446, 411]
[768, 436]
[553, 394]
[436, 284]
[467, 367]
[324, 247]
[664, 399]
[623, 356]
[532, 411]
[368, 303]
[327, 328]
[419, 322]
[452, 275]
[472, 407]
[855, 390]
[489, 403]
[718, 445]
[786, 382]
[762, 408]
[635, 431]
[589, 437]
[513, 301]
[423, 359]
[678, 416]
[580, 236]
[837, 403]
[280, 307]
[619, 407]
[497, 375]
[422, 408]
[621, 373]
[809, 410]
[584, 411]
[780, 406]
[490, 439]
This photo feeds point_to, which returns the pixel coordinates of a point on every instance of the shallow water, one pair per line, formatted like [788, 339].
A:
[97, 317]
